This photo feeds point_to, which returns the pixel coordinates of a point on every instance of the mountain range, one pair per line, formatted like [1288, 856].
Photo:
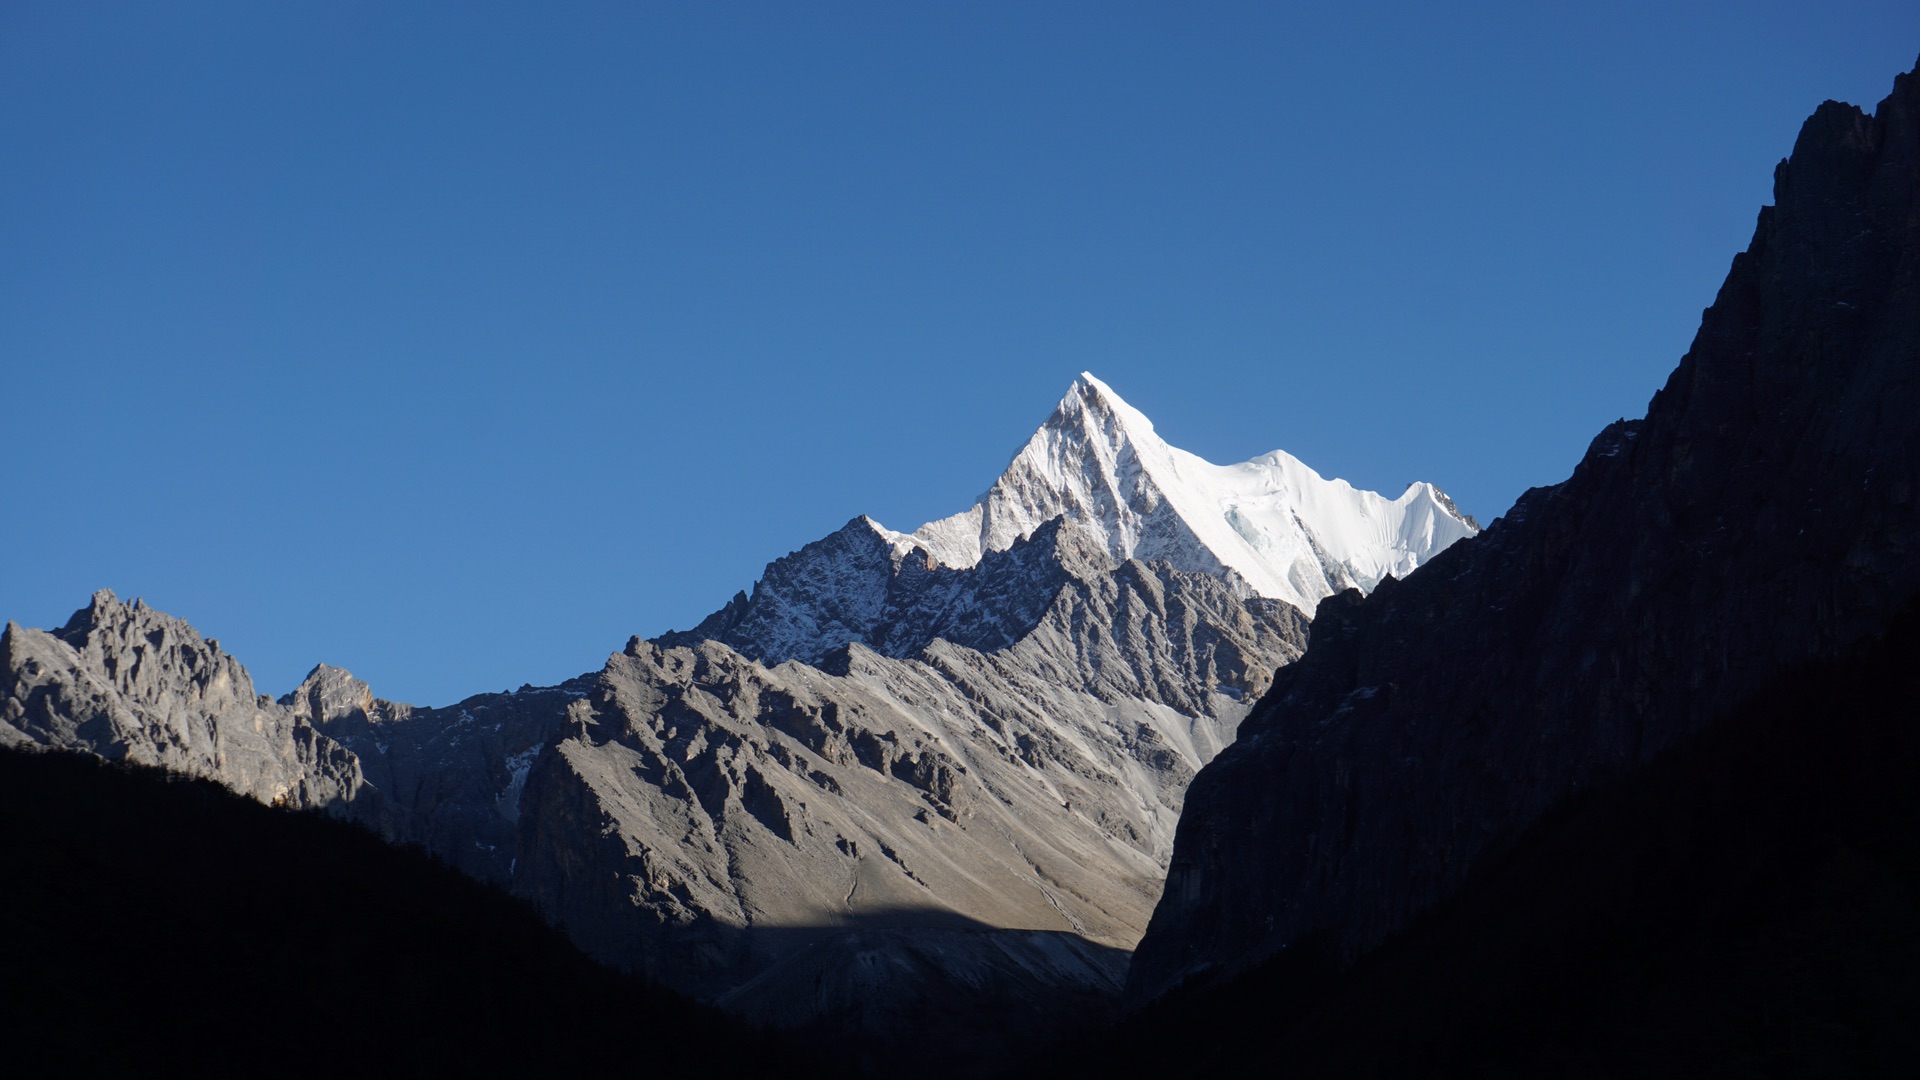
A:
[906, 769]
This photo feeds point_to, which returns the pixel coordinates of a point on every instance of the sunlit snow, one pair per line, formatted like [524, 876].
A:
[1272, 524]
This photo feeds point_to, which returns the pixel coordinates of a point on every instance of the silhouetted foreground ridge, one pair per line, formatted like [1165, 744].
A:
[159, 925]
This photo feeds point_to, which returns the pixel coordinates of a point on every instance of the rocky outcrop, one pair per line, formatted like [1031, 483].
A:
[1761, 516]
[128, 683]
[451, 778]
[860, 585]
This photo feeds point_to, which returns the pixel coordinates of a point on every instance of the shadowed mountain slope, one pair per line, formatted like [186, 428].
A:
[1746, 905]
[1762, 516]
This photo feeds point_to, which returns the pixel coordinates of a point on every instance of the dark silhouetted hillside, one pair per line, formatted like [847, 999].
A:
[160, 925]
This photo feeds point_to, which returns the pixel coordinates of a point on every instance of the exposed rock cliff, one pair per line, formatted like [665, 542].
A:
[1762, 515]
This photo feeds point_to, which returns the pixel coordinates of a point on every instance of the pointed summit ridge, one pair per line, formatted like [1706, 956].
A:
[1089, 386]
[1272, 526]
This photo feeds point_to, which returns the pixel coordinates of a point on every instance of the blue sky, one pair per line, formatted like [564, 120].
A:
[453, 344]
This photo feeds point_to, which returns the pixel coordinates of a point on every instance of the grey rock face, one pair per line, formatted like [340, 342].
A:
[128, 683]
[859, 585]
[1763, 514]
[451, 777]
[705, 816]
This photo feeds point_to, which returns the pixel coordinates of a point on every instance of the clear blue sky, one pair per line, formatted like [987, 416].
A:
[453, 344]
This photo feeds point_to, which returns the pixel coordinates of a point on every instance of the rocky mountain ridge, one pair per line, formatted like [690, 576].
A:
[859, 585]
[129, 683]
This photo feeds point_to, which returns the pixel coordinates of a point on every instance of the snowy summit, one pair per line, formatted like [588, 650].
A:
[1272, 525]
[1269, 528]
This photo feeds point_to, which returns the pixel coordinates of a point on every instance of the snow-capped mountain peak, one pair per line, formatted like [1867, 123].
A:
[1270, 528]
[1271, 525]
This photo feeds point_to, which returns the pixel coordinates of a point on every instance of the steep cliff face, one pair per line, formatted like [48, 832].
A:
[1762, 515]
[448, 779]
[1744, 905]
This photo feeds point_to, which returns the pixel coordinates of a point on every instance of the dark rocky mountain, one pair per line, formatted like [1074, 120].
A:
[1760, 518]
[1748, 904]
